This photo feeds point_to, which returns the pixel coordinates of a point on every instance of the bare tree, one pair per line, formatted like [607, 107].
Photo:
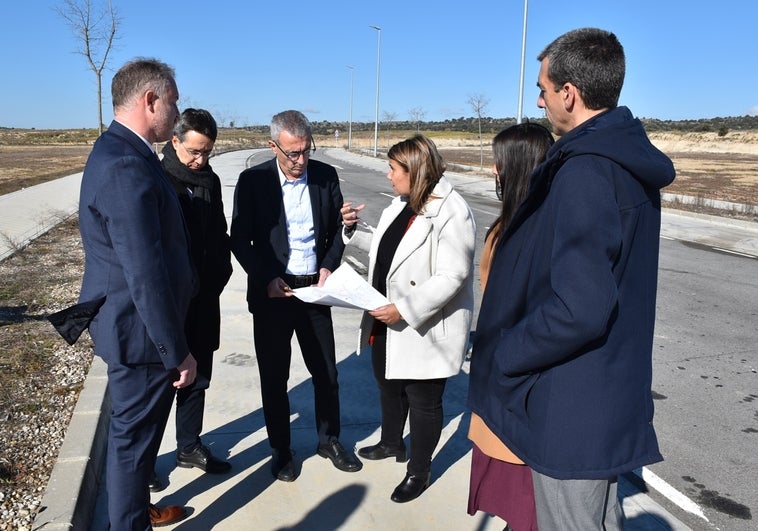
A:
[388, 117]
[96, 30]
[478, 104]
[417, 115]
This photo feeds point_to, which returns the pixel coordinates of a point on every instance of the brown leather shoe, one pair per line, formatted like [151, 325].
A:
[171, 514]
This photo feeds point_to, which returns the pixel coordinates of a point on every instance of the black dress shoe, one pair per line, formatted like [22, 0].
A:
[410, 488]
[155, 484]
[383, 451]
[283, 466]
[341, 458]
[202, 458]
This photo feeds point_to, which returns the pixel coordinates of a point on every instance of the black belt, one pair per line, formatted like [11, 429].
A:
[300, 281]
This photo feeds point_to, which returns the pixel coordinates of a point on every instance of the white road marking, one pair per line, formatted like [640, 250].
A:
[673, 495]
[488, 212]
[356, 263]
[729, 251]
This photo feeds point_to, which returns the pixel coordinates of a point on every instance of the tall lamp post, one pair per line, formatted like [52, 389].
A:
[523, 56]
[376, 115]
[350, 122]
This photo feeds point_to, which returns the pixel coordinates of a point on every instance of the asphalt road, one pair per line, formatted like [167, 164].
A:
[705, 380]
[705, 365]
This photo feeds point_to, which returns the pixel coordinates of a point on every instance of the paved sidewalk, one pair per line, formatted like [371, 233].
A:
[322, 498]
[31, 212]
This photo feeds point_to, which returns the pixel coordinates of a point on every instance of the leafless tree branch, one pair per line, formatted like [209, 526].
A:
[478, 104]
[96, 29]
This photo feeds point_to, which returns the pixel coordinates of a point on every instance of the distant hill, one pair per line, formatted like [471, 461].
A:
[490, 126]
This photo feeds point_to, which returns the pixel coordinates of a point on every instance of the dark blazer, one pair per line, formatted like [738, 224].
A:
[259, 225]
[136, 253]
[211, 255]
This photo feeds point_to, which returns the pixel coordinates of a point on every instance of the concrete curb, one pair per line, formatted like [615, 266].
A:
[71, 493]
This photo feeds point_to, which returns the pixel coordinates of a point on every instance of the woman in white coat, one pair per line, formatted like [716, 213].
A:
[421, 258]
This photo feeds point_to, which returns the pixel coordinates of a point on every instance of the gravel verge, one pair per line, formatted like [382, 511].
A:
[40, 375]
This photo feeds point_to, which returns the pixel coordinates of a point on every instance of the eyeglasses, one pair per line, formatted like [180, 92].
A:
[196, 153]
[294, 156]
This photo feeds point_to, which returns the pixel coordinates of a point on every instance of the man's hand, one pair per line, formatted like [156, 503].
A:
[323, 274]
[187, 372]
[278, 288]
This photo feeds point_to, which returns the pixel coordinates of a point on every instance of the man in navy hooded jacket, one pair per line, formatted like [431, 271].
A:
[561, 368]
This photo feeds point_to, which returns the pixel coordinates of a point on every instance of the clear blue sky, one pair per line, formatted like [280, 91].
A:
[245, 61]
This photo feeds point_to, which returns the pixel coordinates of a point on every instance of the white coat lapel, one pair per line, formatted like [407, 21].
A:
[422, 226]
[414, 238]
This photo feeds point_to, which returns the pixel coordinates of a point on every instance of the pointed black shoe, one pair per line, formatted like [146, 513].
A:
[202, 458]
[383, 451]
[283, 465]
[410, 488]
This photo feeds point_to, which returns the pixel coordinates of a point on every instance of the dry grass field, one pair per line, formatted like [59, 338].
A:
[708, 166]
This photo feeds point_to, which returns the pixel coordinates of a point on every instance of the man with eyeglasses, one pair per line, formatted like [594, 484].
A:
[185, 161]
[285, 234]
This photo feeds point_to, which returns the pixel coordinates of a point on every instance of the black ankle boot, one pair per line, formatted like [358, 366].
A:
[410, 488]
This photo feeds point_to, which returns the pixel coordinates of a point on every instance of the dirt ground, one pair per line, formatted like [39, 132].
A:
[708, 166]
[23, 166]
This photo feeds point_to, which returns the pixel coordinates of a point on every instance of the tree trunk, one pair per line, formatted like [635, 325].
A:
[99, 104]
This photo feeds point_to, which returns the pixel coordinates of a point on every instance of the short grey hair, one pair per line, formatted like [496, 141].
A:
[294, 122]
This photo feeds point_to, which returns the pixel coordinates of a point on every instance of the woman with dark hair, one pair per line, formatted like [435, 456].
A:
[500, 482]
[421, 258]
[518, 150]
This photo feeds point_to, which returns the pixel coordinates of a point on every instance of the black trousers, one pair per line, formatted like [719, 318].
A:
[421, 398]
[274, 323]
[190, 404]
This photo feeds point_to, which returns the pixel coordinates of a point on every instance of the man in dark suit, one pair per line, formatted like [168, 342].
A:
[137, 259]
[185, 161]
[285, 234]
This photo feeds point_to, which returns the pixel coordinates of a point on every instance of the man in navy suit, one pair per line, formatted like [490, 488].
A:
[285, 234]
[137, 259]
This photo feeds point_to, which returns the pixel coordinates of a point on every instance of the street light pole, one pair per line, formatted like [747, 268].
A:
[523, 58]
[350, 123]
[378, 55]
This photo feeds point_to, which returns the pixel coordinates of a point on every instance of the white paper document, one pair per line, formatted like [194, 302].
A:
[344, 288]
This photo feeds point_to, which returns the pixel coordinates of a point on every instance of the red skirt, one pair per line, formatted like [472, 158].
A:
[502, 489]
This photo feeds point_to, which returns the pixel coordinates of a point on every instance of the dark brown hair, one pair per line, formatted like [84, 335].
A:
[518, 150]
